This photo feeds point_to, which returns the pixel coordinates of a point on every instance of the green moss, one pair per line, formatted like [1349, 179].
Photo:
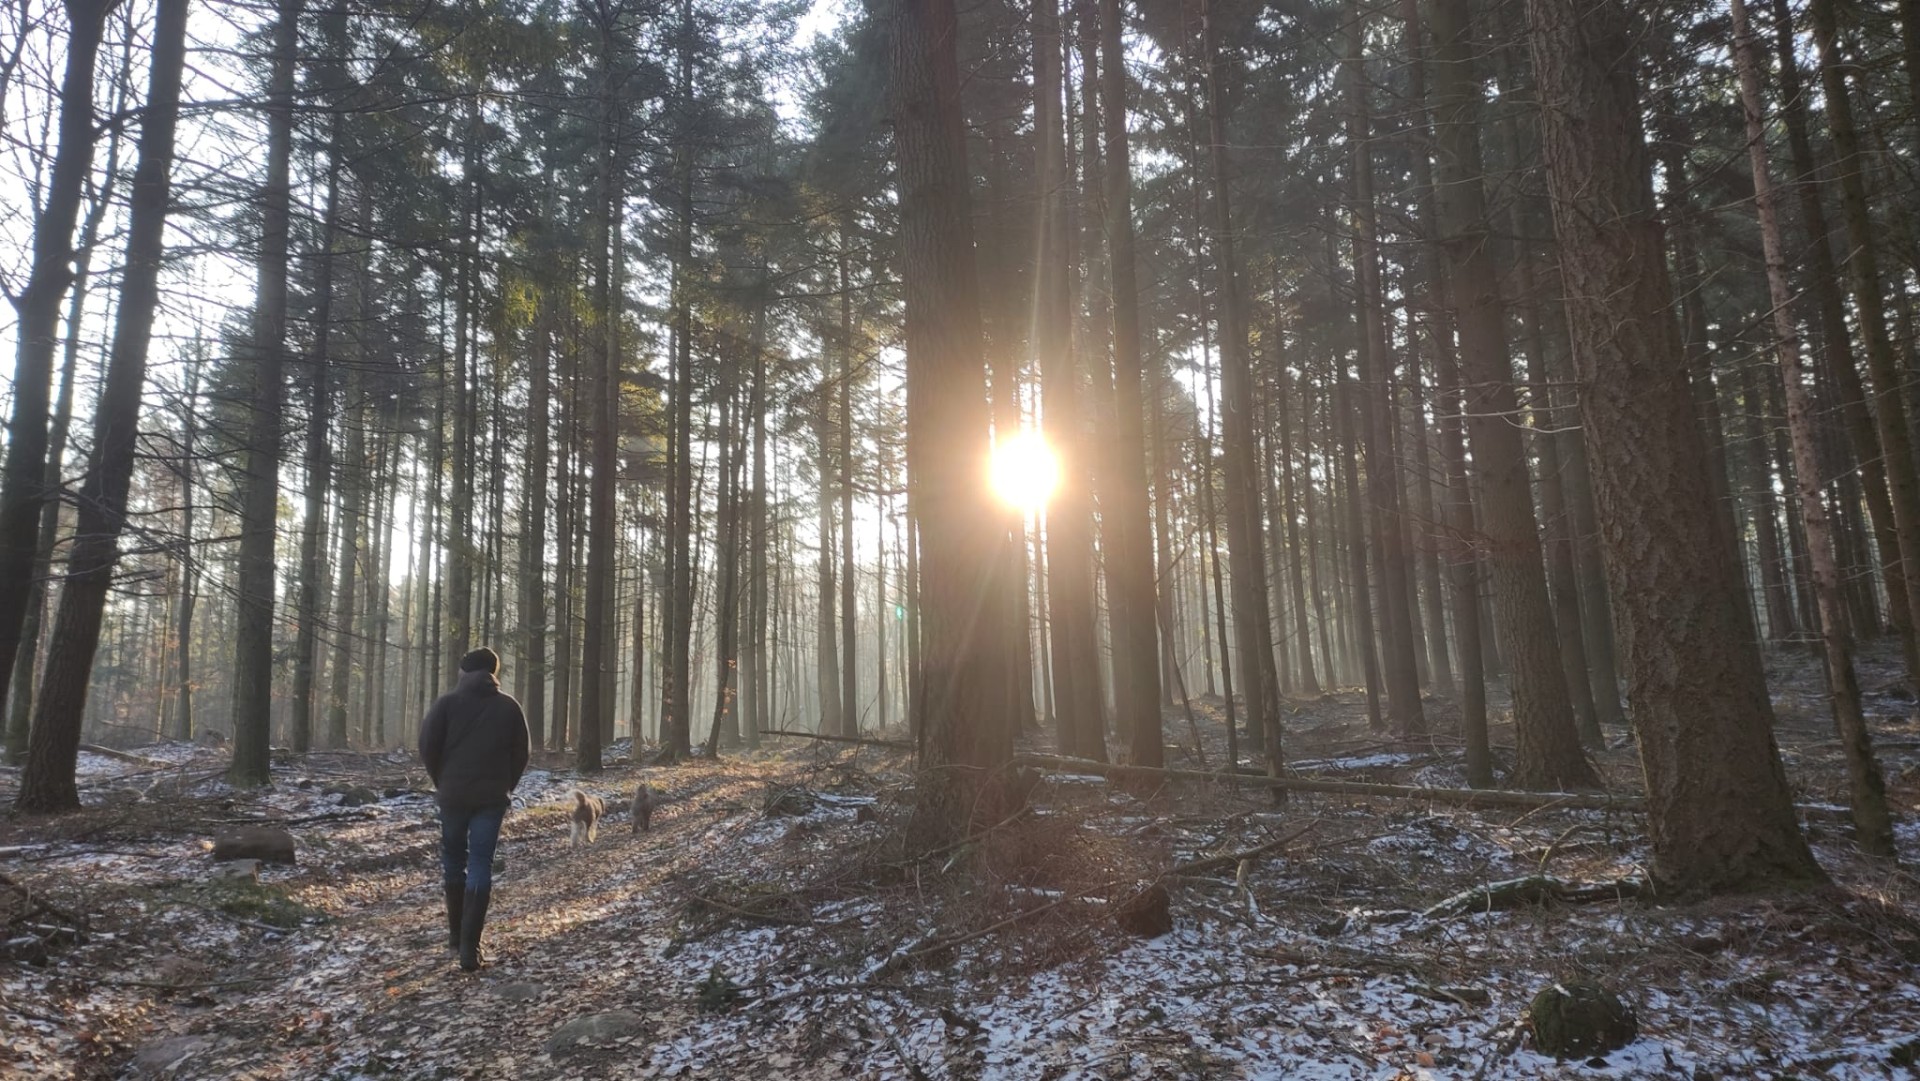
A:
[261, 902]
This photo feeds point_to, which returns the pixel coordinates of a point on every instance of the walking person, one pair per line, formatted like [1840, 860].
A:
[474, 745]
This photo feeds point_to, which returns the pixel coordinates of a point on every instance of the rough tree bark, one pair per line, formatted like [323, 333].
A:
[1720, 813]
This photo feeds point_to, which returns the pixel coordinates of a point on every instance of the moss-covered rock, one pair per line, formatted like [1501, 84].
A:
[1580, 1020]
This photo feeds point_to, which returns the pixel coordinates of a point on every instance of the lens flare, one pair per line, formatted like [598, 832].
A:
[1025, 471]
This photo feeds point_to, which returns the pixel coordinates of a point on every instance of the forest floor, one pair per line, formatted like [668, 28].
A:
[759, 933]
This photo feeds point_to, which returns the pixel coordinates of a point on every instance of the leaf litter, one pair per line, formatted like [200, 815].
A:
[733, 942]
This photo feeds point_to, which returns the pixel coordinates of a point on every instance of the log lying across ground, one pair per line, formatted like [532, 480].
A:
[891, 744]
[1461, 797]
[1465, 797]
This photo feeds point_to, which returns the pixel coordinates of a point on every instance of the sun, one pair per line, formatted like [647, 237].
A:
[1025, 471]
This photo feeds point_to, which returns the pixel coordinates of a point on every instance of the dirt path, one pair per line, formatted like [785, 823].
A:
[574, 933]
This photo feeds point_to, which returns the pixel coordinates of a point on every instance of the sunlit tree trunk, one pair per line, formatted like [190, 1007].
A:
[1069, 536]
[833, 710]
[964, 742]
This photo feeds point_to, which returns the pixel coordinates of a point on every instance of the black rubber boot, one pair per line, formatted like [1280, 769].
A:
[473, 917]
[456, 900]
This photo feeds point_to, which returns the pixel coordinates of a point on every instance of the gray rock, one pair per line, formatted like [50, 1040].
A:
[358, 796]
[162, 1058]
[1579, 1020]
[264, 843]
[594, 1028]
[520, 991]
[248, 870]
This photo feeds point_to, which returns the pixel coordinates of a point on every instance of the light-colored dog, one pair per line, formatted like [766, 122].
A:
[586, 817]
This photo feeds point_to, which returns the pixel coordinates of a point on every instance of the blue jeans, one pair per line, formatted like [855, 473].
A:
[467, 841]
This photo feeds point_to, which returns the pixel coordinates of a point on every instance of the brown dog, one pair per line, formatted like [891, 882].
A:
[586, 818]
[642, 808]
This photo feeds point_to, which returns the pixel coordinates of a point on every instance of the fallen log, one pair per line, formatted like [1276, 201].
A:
[893, 744]
[1465, 797]
[124, 756]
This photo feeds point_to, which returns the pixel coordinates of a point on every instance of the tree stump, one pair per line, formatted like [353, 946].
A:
[1147, 913]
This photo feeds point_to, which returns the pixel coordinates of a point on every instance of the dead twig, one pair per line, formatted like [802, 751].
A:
[750, 914]
[1231, 859]
[162, 985]
[1533, 890]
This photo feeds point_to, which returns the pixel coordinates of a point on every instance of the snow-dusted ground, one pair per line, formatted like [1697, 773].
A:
[825, 953]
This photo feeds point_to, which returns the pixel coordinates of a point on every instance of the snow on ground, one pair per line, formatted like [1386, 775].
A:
[730, 942]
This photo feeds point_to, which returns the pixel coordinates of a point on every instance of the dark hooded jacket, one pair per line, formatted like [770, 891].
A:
[474, 744]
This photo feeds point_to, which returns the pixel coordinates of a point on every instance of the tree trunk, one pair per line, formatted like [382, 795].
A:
[756, 668]
[458, 538]
[319, 467]
[1383, 485]
[535, 580]
[1069, 532]
[1359, 575]
[833, 710]
[1129, 559]
[849, 592]
[677, 701]
[946, 433]
[1547, 747]
[47, 782]
[1246, 545]
[597, 644]
[182, 728]
[1756, 461]
[353, 486]
[1873, 830]
[22, 486]
[1562, 574]
[725, 587]
[1863, 265]
[1296, 582]
[1720, 813]
[260, 485]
